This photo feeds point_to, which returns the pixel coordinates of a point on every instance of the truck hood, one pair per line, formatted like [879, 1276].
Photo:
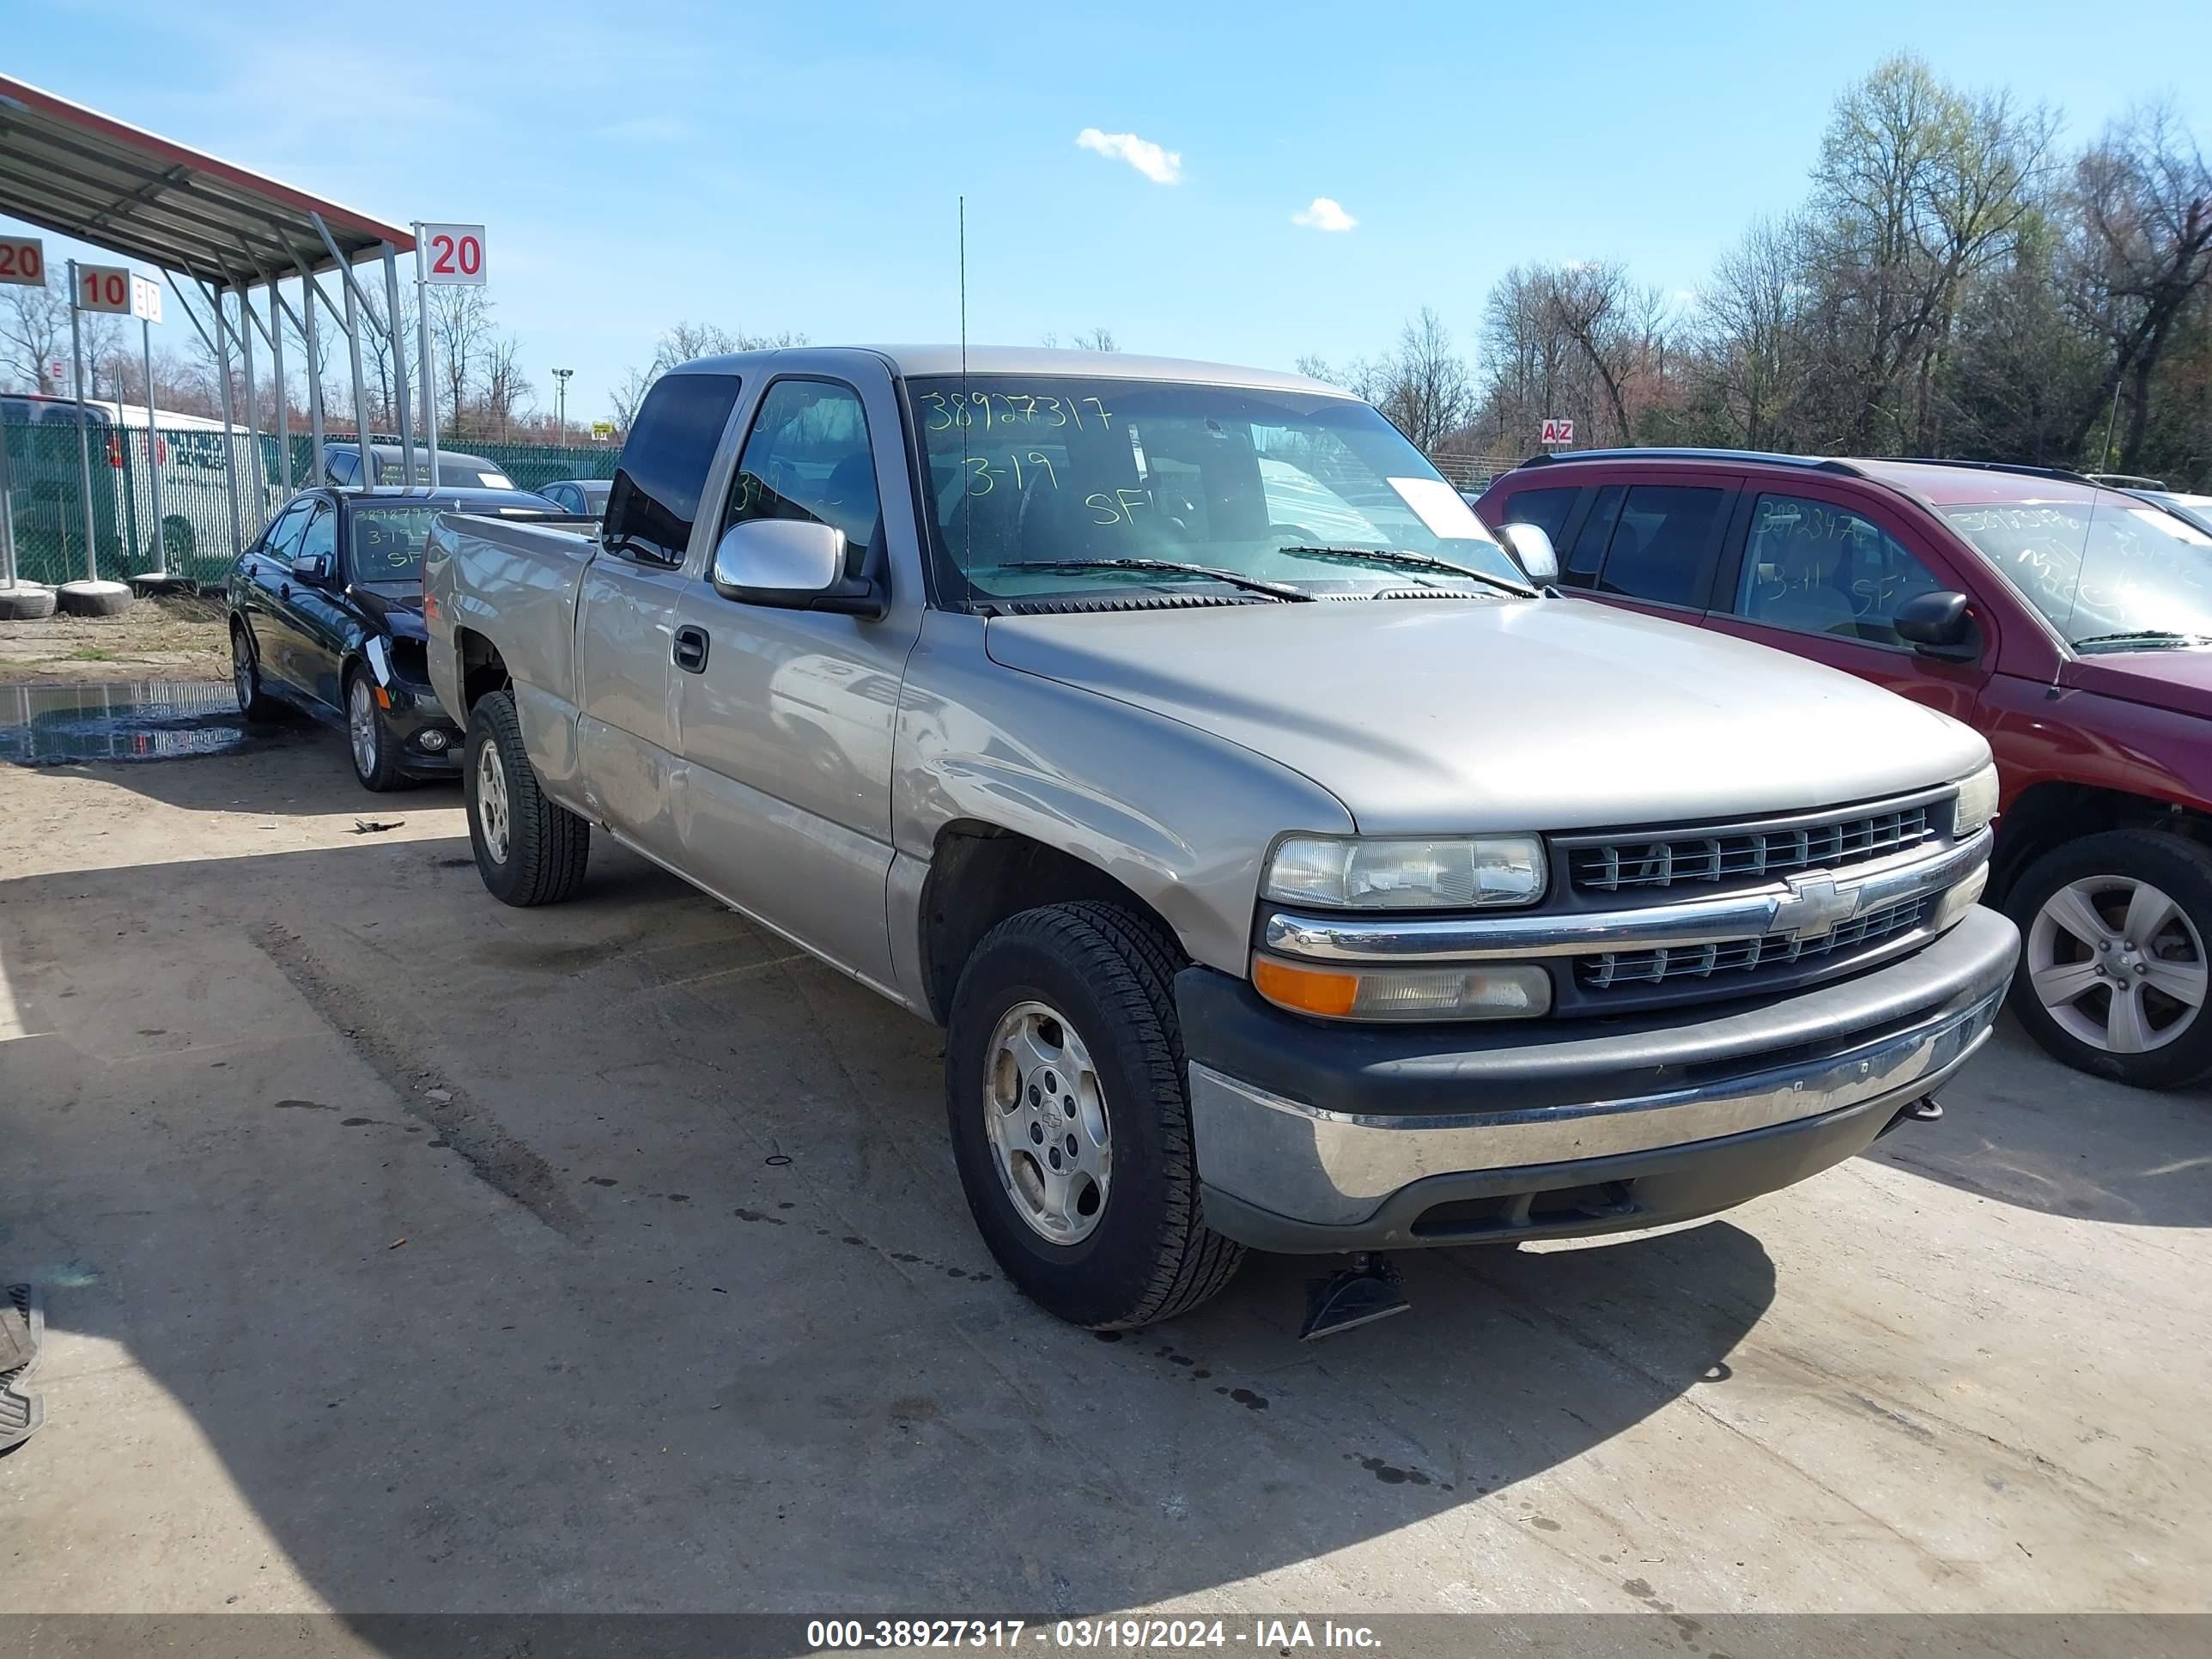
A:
[1424, 716]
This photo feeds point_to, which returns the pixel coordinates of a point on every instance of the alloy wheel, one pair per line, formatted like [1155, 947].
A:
[1044, 1114]
[241, 669]
[491, 801]
[2117, 963]
[362, 728]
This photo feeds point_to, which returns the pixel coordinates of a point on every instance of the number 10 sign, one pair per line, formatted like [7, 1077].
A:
[453, 253]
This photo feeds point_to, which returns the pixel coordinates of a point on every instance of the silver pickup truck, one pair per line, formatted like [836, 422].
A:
[1290, 867]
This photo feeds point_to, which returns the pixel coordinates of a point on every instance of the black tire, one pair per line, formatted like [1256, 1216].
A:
[381, 774]
[94, 598]
[253, 702]
[2179, 868]
[547, 846]
[1149, 1255]
[26, 603]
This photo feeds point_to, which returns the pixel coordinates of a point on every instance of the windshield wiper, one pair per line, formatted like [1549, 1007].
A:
[1235, 579]
[2144, 636]
[1418, 560]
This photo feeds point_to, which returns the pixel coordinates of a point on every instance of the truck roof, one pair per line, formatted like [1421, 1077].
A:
[917, 359]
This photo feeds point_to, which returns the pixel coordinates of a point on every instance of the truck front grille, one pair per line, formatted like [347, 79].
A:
[1746, 961]
[1753, 853]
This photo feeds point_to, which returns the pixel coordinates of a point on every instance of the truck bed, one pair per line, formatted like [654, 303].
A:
[513, 581]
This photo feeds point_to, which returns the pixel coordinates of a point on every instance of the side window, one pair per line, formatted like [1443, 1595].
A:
[321, 537]
[1821, 568]
[344, 467]
[807, 457]
[1658, 551]
[278, 540]
[1579, 564]
[1547, 509]
[664, 465]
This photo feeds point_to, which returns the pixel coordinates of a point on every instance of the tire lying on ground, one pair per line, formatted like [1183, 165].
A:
[26, 602]
[93, 599]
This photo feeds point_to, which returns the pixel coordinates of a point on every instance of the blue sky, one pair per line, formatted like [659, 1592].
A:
[787, 167]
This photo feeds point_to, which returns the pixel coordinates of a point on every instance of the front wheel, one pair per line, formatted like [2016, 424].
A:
[375, 756]
[1070, 1115]
[2113, 970]
[529, 850]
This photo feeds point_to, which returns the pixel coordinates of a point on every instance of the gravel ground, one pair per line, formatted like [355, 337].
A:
[172, 637]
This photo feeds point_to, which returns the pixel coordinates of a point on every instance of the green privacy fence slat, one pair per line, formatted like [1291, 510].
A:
[46, 492]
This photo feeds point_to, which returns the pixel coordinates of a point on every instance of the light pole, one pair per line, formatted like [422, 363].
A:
[560, 401]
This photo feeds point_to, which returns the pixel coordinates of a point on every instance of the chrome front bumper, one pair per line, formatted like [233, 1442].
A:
[1284, 1172]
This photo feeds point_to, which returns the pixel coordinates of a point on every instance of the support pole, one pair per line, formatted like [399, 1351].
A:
[399, 343]
[360, 385]
[230, 419]
[314, 375]
[425, 360]
[7, 516]
[153, 446]
[83, 439]
[258, 476]
[283, 392]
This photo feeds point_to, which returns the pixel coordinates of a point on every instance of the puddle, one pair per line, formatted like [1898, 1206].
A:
[137, 720]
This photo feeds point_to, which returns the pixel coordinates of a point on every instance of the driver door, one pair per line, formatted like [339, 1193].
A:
[784, 718]
[286, 636]
[1819, 572]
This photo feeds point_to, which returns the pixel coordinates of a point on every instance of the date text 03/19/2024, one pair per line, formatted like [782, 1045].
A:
[1130, 1635]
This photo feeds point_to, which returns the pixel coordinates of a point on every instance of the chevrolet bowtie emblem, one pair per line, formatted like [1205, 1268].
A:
[1812, 906]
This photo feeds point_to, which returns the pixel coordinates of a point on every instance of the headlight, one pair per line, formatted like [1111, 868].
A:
[1508, 990]
[1458, 873]
[1977, 804]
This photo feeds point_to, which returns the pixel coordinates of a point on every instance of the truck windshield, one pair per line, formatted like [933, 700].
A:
[1044, 486]
[2111, 574]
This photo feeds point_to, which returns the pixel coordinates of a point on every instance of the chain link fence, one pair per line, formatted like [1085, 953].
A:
[197, 468]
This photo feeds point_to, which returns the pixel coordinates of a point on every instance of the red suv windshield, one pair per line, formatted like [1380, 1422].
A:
[2110, 573]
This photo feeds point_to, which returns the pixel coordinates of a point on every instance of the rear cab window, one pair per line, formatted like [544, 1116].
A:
[655, 498]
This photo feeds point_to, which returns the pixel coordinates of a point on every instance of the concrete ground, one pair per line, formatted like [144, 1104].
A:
[405, 1252]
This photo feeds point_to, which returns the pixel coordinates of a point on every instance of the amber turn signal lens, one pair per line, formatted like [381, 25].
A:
[1311, 990]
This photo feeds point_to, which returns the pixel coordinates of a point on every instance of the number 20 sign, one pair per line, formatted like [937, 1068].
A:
[453, 253]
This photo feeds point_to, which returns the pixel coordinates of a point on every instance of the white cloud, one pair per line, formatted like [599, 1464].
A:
[1325, 214]
[1162, 167]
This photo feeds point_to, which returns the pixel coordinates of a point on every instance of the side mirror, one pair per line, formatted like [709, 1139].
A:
[1532, 546]
[792, 564]
[1938, 624]
[312, 569]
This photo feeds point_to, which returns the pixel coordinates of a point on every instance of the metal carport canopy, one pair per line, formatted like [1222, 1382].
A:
[80, 174]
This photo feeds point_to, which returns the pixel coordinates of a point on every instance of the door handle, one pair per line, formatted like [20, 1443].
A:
[284, 592]
[690, 650]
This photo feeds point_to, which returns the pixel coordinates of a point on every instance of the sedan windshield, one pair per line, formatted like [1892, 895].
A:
[386, 541]
[2111, 573]
[1049, 487]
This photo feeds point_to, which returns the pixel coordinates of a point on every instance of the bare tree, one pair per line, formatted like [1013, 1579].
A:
[1748, 328]
[1918, 188]
[34, 330]
[2143, 253]
[681, 344]
[507, 392]
[1095, 339]
[460, 331]
[1430, 393]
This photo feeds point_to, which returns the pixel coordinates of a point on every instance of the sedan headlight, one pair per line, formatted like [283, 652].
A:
[1454, 873]
[1976, 804]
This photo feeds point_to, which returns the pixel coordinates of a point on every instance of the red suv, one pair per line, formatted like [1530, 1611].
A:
[2065, 622]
